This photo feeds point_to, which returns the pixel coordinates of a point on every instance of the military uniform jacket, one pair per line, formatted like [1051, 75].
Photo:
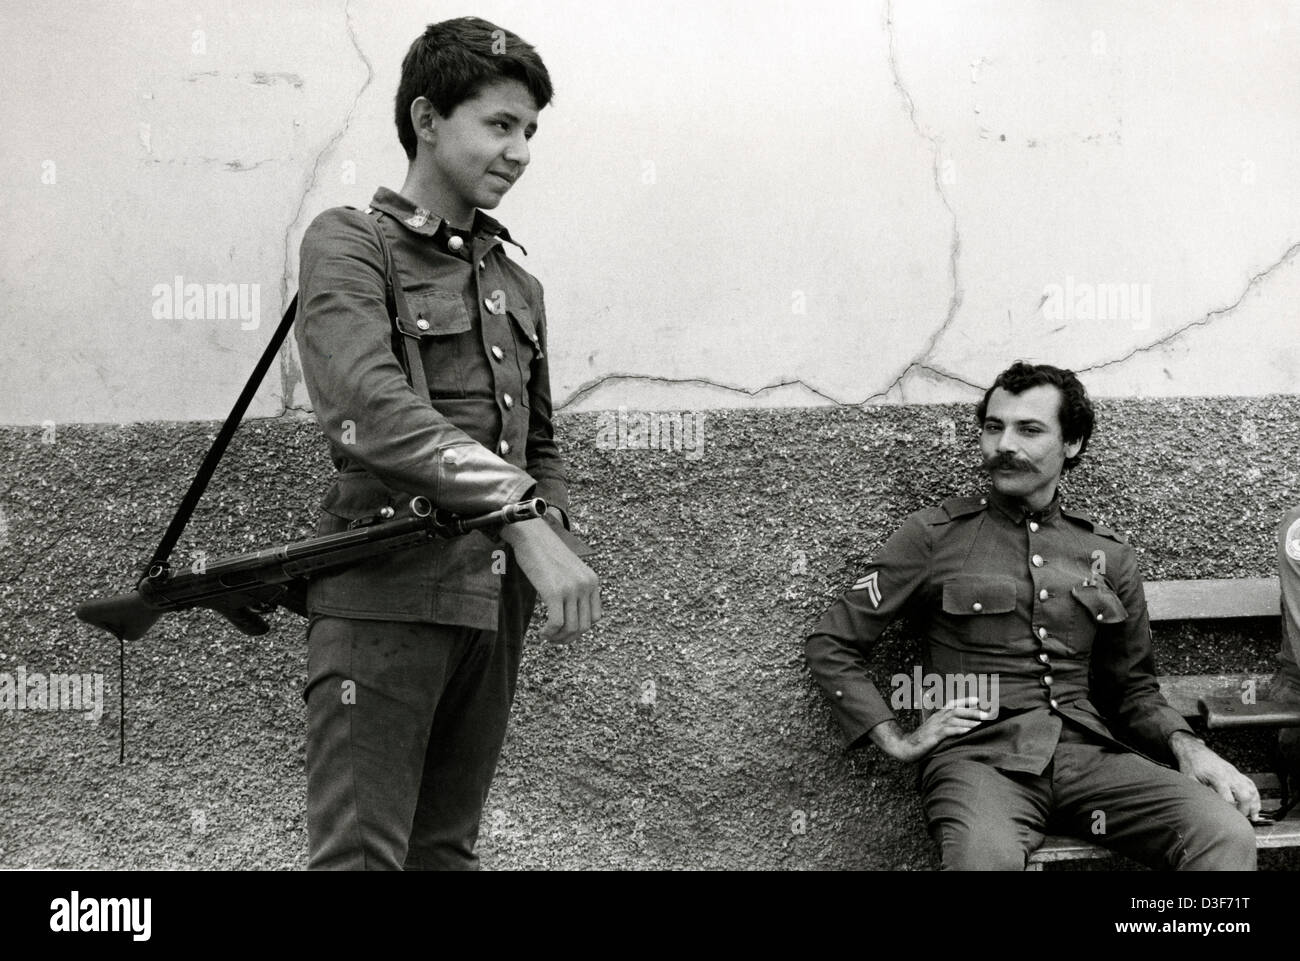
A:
[482, 439]
[1049, 603]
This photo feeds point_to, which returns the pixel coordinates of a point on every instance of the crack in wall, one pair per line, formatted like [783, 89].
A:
[954, 252]
[290, 372]
[593, 385]
[291, 410]
[919, 362]
[1204, 321]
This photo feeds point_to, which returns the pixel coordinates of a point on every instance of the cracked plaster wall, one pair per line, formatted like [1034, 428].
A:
[730, 205]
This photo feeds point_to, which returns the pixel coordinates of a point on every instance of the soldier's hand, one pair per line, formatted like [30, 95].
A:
[1201, 764]
[955, 717]
[568, 587]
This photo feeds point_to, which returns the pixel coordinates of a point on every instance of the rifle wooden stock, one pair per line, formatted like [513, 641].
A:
[245, 587]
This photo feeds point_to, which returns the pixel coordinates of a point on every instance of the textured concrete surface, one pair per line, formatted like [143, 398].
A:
[684, 733]
[759, 204]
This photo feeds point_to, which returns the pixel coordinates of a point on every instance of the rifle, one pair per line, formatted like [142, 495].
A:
[245, 587]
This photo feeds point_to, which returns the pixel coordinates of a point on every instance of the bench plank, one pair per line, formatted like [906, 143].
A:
[1228, 714]
[1184, 692]
[1214, 599]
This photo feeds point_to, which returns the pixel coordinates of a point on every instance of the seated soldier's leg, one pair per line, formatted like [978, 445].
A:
[1150, 813]
[983, 819]
[372, 691]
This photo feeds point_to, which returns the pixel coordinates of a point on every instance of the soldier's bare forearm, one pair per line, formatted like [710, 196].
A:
[1183, 745]
[889, 737]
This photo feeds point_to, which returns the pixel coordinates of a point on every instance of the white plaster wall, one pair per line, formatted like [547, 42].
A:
[758, 203]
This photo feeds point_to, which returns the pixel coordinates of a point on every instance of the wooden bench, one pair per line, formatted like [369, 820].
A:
[1216, 699]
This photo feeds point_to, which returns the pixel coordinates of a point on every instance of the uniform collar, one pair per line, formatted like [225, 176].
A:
[1014, 511]
[427, 223]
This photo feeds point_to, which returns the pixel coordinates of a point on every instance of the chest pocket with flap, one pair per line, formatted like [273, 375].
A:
[984, 602]
[1097, 605]
[1101, 603]
[442, 325]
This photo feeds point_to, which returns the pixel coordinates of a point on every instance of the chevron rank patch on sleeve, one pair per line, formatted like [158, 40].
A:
[870, 584]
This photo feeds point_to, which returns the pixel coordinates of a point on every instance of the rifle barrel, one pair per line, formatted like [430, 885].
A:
[254, 578]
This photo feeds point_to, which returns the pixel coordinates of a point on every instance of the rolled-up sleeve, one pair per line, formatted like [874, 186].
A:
[358, 389]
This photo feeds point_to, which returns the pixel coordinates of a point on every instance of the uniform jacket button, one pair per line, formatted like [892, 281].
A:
[498, 353]
[504, 447]
[1033, 526]
[1042, 633]
[1037, 560]
[1042, 595]
[455, 243]
[1053, 703]
[977, 607]
[508, 401]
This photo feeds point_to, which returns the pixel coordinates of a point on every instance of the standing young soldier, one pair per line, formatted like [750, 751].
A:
[413, 658]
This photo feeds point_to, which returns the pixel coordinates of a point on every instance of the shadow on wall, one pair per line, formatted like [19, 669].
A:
[685, 732]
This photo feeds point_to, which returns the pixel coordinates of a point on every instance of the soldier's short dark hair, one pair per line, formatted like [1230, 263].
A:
[453, 60]
[1075, 413]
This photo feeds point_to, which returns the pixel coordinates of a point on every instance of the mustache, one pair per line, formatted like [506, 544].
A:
[1007, 462]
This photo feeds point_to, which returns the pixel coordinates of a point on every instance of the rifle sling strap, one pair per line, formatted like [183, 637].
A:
[410, 356]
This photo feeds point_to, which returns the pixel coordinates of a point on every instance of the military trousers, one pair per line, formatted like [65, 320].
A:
[405, 723]
[984, 819]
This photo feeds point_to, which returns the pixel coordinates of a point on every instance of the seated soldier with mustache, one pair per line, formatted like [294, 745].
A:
[1013, 585]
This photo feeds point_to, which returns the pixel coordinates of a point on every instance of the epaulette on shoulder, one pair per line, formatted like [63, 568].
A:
[1101, 530]
[953, 508]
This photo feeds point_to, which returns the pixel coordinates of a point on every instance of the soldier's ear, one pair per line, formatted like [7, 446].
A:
[1072, 449]
[424, 119]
